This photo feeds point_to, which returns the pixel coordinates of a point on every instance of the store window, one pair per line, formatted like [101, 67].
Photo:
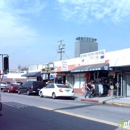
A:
[79, 80]
[71, 80]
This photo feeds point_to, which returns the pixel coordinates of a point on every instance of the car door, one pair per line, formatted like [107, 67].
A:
[51, 90]
[5, 89]
[23, 87]
[46, 90]
[28, 86]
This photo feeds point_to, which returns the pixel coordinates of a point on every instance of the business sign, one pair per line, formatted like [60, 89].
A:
[64, 66]
[94, 57]
[47, 68]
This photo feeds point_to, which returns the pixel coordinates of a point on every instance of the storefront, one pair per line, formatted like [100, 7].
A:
[82, 74]
[123, 79]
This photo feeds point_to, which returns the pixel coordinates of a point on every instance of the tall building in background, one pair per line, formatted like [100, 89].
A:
[85, 45]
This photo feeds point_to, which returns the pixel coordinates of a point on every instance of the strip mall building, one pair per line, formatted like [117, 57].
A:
[99, 66]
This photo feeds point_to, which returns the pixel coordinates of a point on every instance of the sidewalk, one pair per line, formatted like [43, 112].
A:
[121, 101]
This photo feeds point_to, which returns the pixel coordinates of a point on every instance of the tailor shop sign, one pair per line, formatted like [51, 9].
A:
[64, 66]
[94, 57]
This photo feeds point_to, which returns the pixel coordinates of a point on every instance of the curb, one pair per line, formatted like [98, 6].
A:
[108, 103]
[89, 100]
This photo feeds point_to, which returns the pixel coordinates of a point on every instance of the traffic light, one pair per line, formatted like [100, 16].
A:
[6, 64]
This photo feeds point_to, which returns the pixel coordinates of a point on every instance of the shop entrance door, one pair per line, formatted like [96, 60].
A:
[128, 84]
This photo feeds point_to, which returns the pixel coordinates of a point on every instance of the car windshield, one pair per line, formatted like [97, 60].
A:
[62, 86]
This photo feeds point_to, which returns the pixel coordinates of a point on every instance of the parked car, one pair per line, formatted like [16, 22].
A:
[18, 83]
[30, 87]
[11, 88]
[3, 84]
[56, 90]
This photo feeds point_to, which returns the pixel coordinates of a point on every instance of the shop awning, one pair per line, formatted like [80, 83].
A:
[32, 74]
[94, 67]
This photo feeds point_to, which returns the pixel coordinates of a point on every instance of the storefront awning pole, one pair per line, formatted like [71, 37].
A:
[117, 85]
[98, 74]
[121, 84]
[94, 75]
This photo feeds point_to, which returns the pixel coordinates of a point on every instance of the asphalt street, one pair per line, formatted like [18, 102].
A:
[35, 113]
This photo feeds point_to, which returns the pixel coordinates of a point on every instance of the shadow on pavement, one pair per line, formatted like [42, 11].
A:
[33, 118]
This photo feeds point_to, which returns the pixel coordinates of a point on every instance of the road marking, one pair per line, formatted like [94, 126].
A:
[80, 116]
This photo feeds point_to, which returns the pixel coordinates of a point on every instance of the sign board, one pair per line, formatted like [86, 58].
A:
[64, 66]
[94, 57]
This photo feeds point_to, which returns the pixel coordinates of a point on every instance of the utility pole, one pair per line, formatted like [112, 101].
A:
[61, 48]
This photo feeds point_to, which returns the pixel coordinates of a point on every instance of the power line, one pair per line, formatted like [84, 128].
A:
[54, 58]
[66, 55]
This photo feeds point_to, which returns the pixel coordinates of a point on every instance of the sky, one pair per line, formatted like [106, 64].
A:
[30, 30]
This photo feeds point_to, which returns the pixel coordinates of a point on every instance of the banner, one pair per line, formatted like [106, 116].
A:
[94, 57]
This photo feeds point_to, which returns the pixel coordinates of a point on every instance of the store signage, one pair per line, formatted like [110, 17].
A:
[64, 66]
[94, 57]
[48, 67]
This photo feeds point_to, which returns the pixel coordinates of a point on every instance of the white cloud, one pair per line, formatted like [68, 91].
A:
[23, 6]
[13, 28]
[89, 10]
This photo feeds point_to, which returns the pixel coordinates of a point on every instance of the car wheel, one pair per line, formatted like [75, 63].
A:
[19, 92]
[40, 94]
[28, 92]
[8, 91]
[53, 95]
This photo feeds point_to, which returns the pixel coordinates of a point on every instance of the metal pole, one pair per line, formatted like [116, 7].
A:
[61, 50]
[117, 85]
[121, 84]
[2, 67]
[61, 54]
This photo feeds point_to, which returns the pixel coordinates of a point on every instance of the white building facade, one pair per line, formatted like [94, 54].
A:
[98, 65]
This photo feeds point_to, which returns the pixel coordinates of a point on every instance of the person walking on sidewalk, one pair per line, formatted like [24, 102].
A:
[93, 90]
[89, 89]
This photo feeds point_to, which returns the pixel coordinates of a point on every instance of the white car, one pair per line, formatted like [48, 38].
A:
[4, 84]
[56, 90]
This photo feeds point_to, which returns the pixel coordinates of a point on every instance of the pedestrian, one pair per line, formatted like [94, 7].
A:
[106, 88]
[89, 89]
[84, 88]
[93, 90]
[118, 87]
